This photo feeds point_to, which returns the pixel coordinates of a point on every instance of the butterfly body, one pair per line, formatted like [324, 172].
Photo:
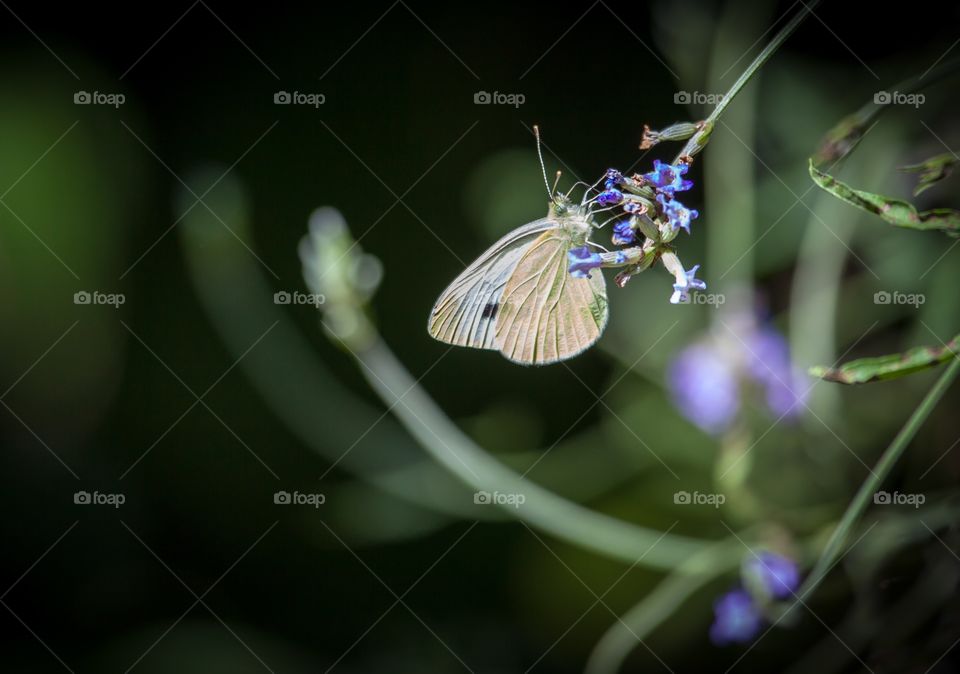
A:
[519, 298]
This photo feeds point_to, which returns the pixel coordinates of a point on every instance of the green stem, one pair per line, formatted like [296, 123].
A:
[541, 508]
[832, 549]
[699, 140]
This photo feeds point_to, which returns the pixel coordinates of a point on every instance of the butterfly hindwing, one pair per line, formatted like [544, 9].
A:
[546, 314]
[467, 311]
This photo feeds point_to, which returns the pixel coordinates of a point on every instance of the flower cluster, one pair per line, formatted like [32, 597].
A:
[667, 180]
[667, 217]
[738, 614]
[707, 378]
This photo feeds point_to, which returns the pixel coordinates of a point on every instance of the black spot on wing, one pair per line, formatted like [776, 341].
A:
[490, 310]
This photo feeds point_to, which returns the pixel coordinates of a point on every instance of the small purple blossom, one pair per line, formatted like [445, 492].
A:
[633, 207]
[610, 197]
[666, 178]
[778, 576]
[678, 216]
[681, 289]
[582, 260]
[704, 387]
[623, 234]
[613, 178]
[736, 618]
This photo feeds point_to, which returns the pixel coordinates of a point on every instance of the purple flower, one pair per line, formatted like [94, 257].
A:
[778, 576]
[610, 197]
[705, 378]
[613, 179]
[666, 178]
[704, 387]
[681, 289]
[678, 215]
[768, 362]
[736, 619]
[623, 234]
[582, 260]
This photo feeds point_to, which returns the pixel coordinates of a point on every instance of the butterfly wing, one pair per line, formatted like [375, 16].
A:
[466, 312]
[546, 314]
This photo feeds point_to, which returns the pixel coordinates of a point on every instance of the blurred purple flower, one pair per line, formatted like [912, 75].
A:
[736, 618]
[768, 363]
[705, 378]
[704, 387]
[779, 576]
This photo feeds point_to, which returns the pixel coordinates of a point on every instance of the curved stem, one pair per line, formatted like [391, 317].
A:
[541, 508]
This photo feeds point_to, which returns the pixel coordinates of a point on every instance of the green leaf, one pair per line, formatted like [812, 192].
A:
[891, 366]
[894, 211]
[932, 171]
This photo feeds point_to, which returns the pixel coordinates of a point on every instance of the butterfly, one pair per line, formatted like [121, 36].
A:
[519, 298]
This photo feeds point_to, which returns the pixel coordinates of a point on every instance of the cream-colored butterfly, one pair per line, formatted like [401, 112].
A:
[519, 298]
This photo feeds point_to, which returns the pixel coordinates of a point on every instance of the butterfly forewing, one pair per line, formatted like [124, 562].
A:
[546, 314]
[469, 308]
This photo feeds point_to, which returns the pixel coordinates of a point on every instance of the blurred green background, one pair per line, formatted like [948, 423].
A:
[200, 570]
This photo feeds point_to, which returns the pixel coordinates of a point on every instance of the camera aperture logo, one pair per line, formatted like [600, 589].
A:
[497, 98]
[297, 297]
[299, 498]
[697, 98]
[897, 297]
[299, 98]
[898, 98]
[896, 498]
[499, 498]
[99, 298]
[98, 98]
[99, 498]
[698, 498]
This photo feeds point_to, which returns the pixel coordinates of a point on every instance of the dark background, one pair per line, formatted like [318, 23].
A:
[93, 588]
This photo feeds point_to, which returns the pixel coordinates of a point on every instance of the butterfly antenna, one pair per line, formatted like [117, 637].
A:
[543, 167]
[555, 183]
